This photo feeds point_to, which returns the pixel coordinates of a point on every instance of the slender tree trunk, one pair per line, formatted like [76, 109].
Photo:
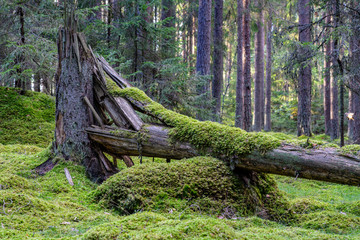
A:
[20, 83]
[355, 81]
[247, 69]
[239, 111]
[259, 70]
[168, 42]
[267, 126]
[218, 57]
[327, 88]
[203, 39]
[109, 20]
[351, 110]
[37, 82]
[191, 34]
[304, 84]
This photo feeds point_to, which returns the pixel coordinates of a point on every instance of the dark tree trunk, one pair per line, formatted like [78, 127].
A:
[338, 70]
[304, 84]
[247, 69]
[19, 82]
[218, 57]
[355, 80]
[351, 110]
[239, 111]
[168, 15]
[203, 39]
[327, 92]
[109, 20]
[334, 83]
[37, 82]
[267, 126]
[259, 71]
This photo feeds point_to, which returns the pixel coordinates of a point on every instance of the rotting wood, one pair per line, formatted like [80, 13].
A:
[128, 112]
[128, 161]
[76, 49]
[121, 82]
[96, 115]
[317, 164]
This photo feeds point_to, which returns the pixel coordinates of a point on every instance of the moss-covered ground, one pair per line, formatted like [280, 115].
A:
[27, 118]
[47, 207]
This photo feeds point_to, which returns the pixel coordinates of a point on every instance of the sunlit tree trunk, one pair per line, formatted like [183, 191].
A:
[267, 125]
[259, 70]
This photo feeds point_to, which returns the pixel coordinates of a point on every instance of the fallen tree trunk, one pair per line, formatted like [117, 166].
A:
[317, 164]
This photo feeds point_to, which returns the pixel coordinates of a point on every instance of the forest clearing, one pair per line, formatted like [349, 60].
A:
[130, 120]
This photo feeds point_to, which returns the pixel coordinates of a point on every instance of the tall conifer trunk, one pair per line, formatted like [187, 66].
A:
[327, 93]
[218, 57]
[247, 69]
[304, 84]
[267, 125]
[239, 111]
[203, 39]
[259, 71]
[335, 78]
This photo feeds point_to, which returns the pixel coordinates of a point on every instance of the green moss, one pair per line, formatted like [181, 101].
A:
[307, 205]
[350, 149]
[223, 140]
[26, 119]
[331, 222]
[200, 184]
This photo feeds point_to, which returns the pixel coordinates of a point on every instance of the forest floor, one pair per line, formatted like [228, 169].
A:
[47, 207]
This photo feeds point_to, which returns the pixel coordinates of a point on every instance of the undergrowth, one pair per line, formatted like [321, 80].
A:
[191, 199]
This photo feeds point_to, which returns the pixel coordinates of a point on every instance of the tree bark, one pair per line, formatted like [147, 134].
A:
[37, 82]
[304, 84]
[327, 88]
[218, 67]
[355, 78]
[168, 16]
[239, 111]
[19, 82]
[203, 40]
[267, 125]
[334, 82]
[259, 70]
[316, 164]
[247, 69]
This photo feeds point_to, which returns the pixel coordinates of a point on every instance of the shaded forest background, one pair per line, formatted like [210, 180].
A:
[287, 66]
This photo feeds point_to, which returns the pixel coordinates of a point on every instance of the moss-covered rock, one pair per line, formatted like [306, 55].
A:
[200, 184]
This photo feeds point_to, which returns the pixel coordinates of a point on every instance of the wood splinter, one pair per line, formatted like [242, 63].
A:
[68, 177]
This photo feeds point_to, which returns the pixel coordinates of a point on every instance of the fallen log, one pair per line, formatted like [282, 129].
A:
[316, 164]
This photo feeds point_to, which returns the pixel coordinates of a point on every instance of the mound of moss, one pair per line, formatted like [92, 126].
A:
[26, 119]
[200, 184]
